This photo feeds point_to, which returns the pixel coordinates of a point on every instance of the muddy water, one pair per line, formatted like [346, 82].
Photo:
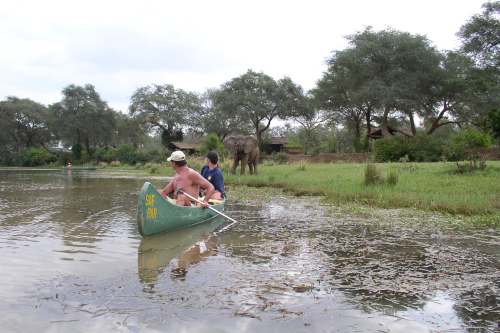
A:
[73, 260]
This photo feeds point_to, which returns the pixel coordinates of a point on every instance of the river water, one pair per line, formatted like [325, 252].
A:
[74, 261]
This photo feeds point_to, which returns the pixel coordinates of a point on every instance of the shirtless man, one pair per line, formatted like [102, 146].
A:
[188, 179]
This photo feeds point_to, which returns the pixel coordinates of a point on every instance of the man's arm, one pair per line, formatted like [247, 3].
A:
[199, 180]
[167, 190]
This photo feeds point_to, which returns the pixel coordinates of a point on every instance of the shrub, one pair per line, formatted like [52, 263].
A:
[425, 148]
[475, 138]
[301, 166]
[361, 146]
[37, 156]
[212, 142]
[126, 154]
[10, 158]
[391, 149]
[110, 155]
[115, 164]
[392, 177]
[372, 174]
[77, 150]
[265, 147]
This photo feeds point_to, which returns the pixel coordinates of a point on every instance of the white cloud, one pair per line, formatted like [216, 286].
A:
[120, 45]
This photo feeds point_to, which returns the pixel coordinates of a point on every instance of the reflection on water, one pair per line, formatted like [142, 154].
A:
[192, 244]
[74, 259]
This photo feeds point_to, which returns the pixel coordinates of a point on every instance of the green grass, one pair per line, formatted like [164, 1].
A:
[434, 187]
[427, 186]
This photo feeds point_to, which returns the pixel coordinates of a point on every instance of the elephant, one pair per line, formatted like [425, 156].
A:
[246, 149]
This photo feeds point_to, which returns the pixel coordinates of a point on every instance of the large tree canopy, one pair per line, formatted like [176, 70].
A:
[214, 118]
[259, 99]
[163, 109]
[23, 123]
[481, 35]
[82, 117]
[387, 69]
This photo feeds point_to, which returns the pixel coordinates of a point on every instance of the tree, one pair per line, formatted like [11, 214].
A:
[493, 122]
[445, 100]
[23, 123]
[348, 96]
[388, 69]
[310, 117]
[128, 131]
[214, 118]
[481, 35]
[163, 109]
[259, 99]
[81, 116]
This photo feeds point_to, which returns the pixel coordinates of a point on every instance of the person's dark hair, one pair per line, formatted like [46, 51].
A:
[214, 160]
[180, 163]
[213, 157]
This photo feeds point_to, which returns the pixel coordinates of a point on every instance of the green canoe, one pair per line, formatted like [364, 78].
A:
[155, 214]
[79, 168]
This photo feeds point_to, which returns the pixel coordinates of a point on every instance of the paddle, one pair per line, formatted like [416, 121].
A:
[201, 203]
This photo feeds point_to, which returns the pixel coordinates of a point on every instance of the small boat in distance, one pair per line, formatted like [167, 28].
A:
[79, 168]
[155, 214]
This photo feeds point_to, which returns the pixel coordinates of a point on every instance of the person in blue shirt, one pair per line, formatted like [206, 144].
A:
[212, 173]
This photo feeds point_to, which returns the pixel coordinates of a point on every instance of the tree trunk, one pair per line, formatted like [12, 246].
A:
[368, 122]
[87, 145]
[357, 125]
[308, 142]
[412, 124]
[385, 130]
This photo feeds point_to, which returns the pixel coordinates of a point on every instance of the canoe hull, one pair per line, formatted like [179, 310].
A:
[155, 214]
[79, 169]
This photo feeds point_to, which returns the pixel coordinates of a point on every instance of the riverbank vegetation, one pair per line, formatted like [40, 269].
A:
[470, 189]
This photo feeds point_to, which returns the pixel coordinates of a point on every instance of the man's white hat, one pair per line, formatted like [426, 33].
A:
[177, 156]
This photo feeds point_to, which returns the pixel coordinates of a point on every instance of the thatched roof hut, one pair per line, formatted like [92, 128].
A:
[187, 148]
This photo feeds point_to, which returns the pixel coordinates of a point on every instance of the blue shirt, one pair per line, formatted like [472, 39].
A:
[214, 176]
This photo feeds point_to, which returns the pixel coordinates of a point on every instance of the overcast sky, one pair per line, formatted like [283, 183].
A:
[118, 46]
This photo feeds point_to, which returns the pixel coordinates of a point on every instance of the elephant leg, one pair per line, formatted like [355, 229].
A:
[250, 168]
[244, 161]
[235, 165]
[255, 166]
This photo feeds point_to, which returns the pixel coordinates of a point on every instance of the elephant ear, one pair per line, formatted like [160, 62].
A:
[250, 144]
[230, 145]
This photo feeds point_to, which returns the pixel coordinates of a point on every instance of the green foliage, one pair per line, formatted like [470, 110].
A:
[265, 147]
[212, 142]
[361, 146]
[152, 155]
[126, 154]
[425, 148]
[392, 178]
[392, 149]
[481, 33]
[37, 156]
[82, 116]
[493, 122]
[171, 135]
[10, 158]
[110, 155]
[454, 150]
[476, 162]
[372, 174]
[474, 138]
[77, 150]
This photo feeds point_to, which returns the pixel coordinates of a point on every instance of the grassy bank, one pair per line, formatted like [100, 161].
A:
[428, 186]
[436, 187]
